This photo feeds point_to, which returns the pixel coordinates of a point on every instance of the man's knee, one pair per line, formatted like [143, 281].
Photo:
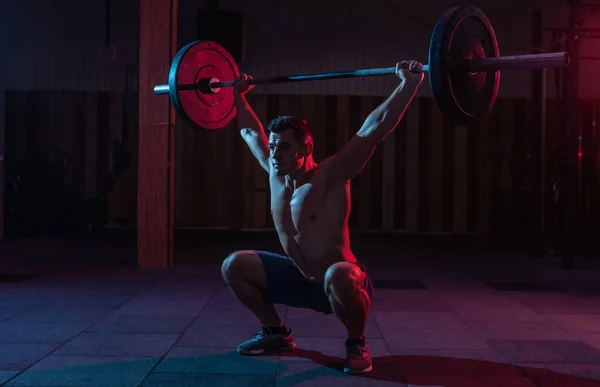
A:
[243, 265]
[237, 262]
[343, 278]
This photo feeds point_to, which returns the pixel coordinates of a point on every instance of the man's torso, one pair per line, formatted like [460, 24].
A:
[312, 221]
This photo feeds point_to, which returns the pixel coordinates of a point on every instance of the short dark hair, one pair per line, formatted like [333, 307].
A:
[302, 131]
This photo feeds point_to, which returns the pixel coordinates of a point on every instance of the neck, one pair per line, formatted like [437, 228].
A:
[301, 175]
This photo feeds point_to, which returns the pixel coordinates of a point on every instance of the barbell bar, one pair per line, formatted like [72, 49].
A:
[464, 72]
[164, 89]
[531, 61]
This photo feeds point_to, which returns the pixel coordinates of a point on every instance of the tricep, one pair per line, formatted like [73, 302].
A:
[258, 144]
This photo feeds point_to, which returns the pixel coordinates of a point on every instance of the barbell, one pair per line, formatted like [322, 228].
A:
[464, 73]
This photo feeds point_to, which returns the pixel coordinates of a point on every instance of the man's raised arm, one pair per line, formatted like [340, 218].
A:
[352, 158]
[250, 126]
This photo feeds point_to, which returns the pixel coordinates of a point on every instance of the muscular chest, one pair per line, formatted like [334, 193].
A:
[296, 209]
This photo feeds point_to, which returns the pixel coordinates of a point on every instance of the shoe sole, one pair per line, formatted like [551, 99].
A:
[254, 352]
[351, 371]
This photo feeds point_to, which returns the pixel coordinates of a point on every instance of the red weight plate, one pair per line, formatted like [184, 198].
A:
[194, 62]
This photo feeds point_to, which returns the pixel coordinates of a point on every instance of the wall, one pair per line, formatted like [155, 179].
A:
[83, 126]
[54, 45]
[428, 176]
[322, 36]
[54, 48]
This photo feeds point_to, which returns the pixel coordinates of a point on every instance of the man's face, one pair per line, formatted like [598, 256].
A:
[287, 155]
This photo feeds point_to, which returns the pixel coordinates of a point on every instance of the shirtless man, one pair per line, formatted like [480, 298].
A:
[310, 205]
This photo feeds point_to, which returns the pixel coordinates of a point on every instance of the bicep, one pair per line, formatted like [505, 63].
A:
[259, 146]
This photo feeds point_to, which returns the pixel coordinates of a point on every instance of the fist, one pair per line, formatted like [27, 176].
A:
[242, 84]
[410, 70]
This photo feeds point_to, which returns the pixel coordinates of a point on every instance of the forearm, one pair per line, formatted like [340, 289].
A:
[386, 116]
[245, 116]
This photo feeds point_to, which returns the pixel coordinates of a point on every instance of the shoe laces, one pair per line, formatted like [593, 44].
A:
[259, 335]
[355, 350]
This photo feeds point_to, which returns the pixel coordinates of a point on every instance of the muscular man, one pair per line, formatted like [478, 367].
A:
[310, 204]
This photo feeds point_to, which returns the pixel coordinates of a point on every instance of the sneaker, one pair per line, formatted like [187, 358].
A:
[266, 341]
[358, 358]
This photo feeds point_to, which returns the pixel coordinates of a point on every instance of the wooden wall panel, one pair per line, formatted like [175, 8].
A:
[473, 176]
[389, 187]
[449, 172]
[424, 165]
[400, 163]
[185, 200]
[412, 166]
[484, 179]
[157, 123]
[90, 148]
[82, 126]
[2, 156]
[203, 187]
[505, 133]
[428, 176]
[460, 179]
[118, 209]
[436, 171]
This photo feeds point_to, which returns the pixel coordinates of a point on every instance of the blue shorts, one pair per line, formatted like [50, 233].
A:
[286, 284]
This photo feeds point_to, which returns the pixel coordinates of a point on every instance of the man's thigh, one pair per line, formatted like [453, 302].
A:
[286, 285]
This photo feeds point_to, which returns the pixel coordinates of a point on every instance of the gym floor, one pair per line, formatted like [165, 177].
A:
[454, 313]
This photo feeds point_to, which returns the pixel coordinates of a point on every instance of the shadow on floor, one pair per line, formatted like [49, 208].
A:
[435, 371]
[232, 369]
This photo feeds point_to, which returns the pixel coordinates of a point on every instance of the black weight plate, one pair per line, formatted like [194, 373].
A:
[462, 33]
